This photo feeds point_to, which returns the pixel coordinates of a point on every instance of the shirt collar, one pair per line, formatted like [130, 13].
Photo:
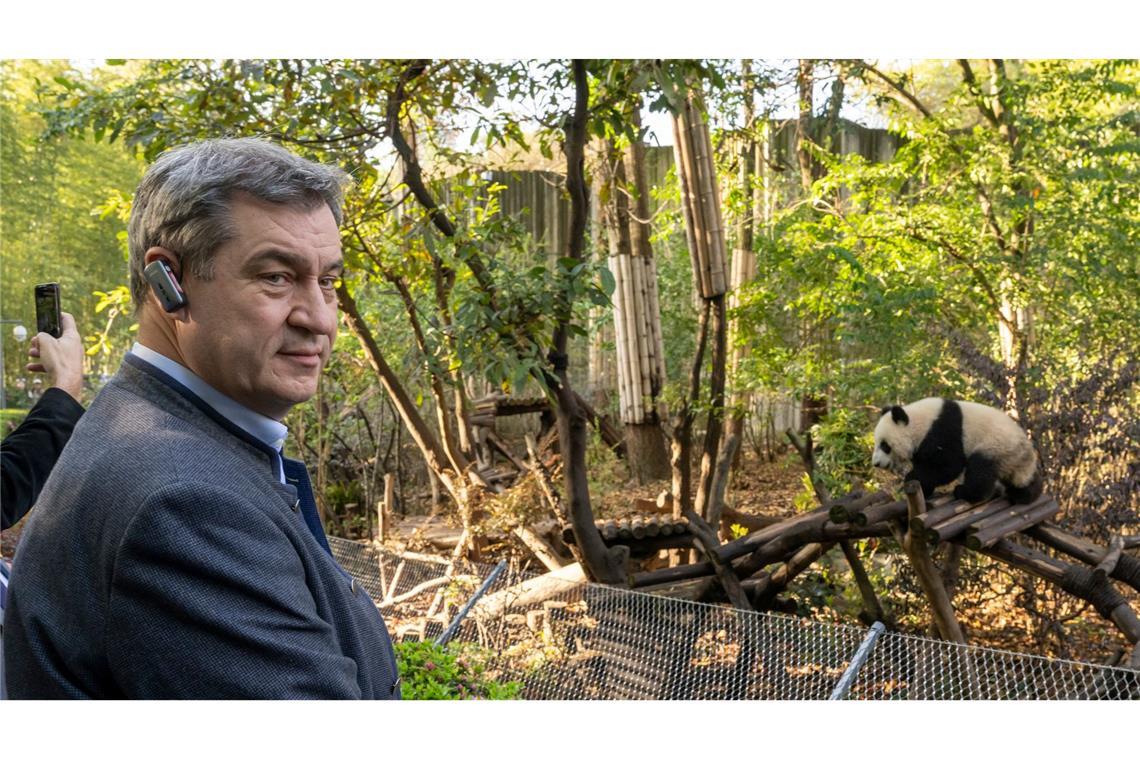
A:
[269, 431]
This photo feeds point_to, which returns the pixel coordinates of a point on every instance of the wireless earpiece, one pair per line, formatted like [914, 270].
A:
[165, 285]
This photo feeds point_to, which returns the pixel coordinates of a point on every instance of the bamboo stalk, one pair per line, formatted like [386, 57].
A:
[718, 256]
[654, 308]
[684, 174]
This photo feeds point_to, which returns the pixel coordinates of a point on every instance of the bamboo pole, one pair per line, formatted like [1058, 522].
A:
[692, 224]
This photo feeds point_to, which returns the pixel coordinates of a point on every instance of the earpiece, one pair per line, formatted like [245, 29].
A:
[165, 285]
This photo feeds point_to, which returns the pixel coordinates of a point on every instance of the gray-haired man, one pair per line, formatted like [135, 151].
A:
[174, 551]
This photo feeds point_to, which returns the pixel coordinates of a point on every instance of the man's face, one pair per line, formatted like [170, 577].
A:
[261, 329]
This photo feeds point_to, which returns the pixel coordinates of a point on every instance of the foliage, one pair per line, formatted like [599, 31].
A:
[10, 419]
[55, 225]
[457, 671]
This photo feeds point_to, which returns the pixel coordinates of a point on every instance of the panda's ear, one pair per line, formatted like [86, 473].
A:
[898, 414]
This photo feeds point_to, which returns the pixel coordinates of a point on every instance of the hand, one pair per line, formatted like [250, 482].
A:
[61, 359]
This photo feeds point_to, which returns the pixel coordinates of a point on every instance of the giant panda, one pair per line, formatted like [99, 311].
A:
[934, 440]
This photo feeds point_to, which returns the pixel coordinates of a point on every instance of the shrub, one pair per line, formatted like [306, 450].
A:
[457, 671]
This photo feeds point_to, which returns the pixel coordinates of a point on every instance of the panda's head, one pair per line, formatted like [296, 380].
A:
[894, 440]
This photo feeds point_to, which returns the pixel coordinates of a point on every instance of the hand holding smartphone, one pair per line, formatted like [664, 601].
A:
[48, 319]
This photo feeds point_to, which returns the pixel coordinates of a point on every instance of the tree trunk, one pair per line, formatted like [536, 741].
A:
[603, 564]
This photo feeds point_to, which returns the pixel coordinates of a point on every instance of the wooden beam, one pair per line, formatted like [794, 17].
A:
[929, 578]
[1078, 580]
[538, 546]
[708, 542]
[1127, 569]
[990, 534]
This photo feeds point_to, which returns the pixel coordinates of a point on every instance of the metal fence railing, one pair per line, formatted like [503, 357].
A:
[596, 642]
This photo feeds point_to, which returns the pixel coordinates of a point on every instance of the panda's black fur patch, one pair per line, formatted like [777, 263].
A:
[940, 458]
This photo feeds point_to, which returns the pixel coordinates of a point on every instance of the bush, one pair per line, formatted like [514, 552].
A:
[843, 442]
[457, 671]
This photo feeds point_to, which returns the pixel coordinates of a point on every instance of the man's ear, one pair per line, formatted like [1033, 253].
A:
[898, 414]
[162, 270]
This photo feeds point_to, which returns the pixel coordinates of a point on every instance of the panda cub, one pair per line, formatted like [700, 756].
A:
[934, 440]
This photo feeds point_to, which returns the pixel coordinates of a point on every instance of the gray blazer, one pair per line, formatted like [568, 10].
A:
[164, 559]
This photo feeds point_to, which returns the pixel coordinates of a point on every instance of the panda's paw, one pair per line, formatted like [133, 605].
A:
[963, 493]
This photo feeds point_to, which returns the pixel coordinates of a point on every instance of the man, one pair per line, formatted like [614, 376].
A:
[29, 452]
[174, 552]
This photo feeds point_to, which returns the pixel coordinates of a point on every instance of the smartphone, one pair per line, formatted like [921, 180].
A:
[48, 317]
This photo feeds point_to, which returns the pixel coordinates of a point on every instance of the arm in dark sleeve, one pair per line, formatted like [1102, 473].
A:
[28, 454]
[210, 600]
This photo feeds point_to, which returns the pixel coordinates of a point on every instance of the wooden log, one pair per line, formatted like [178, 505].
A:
[922, 523]
[496, 442]
[752, 541]
[1127, 568]
[1005, 514]
[950, 529]
[653, 526]
[609, 530]
[530, 592]
[914, 544]
[855, 510]
[670, 575]
[989, 535]
[637, 527]
[765, 591]
[1110, 559]
[730, 516]
[691, 589]
[841, 533]
[706, 539]
[538, 546]
[887, 511]
[1077, 580]
[646, 505]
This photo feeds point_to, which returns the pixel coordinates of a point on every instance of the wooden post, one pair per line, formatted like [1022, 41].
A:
[384, 508]
[916, 549]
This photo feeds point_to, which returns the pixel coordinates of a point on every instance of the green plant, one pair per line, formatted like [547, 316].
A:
[843, 442]
[10, 419]
[456, 671]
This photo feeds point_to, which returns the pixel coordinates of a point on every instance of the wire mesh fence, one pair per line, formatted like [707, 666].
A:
[578, 640]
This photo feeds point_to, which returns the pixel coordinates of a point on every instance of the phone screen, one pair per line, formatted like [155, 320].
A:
[47, 310]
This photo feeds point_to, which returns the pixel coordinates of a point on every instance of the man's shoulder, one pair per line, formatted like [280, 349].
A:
[138, 418]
